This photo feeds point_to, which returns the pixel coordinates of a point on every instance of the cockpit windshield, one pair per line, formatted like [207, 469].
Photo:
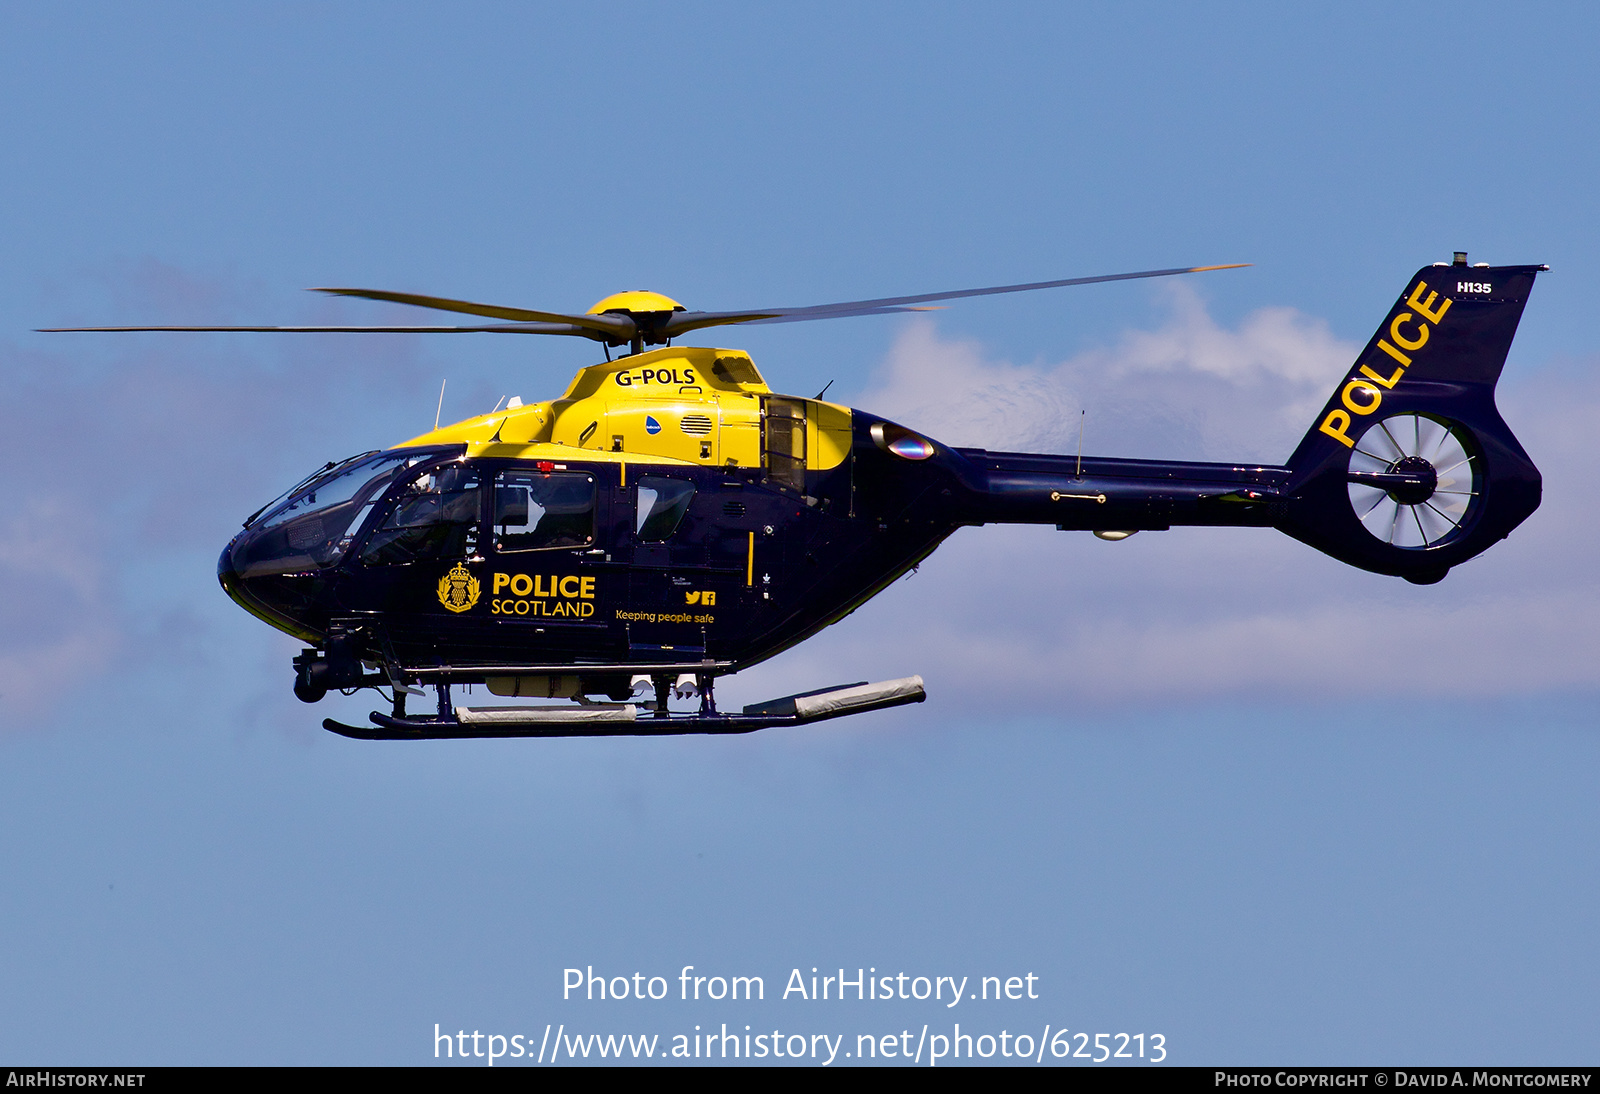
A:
[313, 528]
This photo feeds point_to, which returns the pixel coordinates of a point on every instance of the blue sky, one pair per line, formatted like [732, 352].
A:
[1207, 783]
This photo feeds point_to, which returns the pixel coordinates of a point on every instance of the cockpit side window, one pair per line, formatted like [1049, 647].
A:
[435, 516]
[661, 505]
[536, 510]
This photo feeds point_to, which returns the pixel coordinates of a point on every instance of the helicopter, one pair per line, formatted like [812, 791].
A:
[670, 519]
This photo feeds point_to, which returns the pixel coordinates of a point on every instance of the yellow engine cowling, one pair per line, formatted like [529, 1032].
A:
[693, 405]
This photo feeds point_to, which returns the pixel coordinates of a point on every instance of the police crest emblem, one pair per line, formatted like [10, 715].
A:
[458, 590]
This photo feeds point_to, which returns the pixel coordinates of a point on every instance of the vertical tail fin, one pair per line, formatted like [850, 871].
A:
[1409, 469]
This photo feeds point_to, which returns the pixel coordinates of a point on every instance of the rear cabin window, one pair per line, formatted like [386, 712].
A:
[534, 511]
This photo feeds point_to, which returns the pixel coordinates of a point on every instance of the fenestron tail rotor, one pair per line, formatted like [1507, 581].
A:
[637, 319]
[1414, 480]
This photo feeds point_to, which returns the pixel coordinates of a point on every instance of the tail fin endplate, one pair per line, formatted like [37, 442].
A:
[1409, 468]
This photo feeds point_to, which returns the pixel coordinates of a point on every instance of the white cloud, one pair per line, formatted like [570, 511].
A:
[1190, 389]
[57, 626]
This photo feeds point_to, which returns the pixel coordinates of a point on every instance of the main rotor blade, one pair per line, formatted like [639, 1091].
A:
[682, 322]
[617, 329]
[687, 321]
[616, 326]
[490, 328]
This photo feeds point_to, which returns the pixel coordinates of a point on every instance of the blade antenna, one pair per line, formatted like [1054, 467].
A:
[1083, 416]
[440, 408]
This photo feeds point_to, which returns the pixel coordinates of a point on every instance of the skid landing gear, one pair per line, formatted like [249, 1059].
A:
[588, 719]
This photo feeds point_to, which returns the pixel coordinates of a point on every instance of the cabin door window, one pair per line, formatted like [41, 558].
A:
[538, 510]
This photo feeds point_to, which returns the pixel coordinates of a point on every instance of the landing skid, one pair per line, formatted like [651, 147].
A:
[632, 720]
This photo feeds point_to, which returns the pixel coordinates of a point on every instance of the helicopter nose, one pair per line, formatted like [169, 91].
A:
[232, 584]
[256, 596]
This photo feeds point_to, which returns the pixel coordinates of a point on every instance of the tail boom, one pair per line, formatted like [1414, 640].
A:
[1098, 494]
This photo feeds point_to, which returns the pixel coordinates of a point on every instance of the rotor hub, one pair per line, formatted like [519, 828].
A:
[636, 302]
[1420, 480]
